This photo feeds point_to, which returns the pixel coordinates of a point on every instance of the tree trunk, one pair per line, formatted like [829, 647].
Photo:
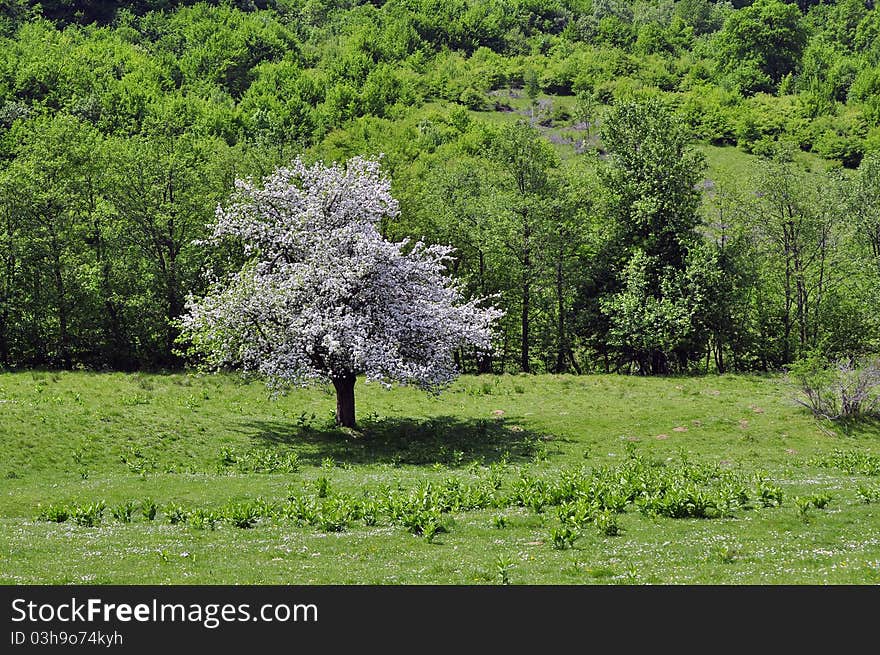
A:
[63, 336]
[525, 359]
[786, 352]
[561, 344]
[344, 384]
[524, 352]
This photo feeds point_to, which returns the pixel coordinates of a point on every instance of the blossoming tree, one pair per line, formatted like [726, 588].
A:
[324, 296]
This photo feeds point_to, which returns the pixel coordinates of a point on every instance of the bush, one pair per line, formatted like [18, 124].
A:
[472, 99]
[846, 389]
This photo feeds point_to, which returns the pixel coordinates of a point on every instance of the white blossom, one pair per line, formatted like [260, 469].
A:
[323, 294]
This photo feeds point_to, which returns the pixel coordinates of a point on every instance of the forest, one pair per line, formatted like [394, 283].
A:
[562, 147]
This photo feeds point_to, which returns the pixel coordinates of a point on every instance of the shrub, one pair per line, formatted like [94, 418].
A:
[472, 99]
[845, 389]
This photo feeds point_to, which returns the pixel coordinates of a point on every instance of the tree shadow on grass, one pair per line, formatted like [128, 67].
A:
[441, 439]
[855, 427]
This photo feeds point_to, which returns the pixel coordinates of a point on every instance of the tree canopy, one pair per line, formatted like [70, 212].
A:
[323, 296]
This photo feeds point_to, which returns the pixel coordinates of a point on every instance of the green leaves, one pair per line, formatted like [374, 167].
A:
[761, 43]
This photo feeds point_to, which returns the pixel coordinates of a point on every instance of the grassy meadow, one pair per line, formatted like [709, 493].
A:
[137, 478]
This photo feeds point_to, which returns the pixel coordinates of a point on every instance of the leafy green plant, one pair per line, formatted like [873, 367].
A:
[868, 493]
[175, 513]
[606, 523]
[260, 460]
[333, 516]
[854, 462]
[149, 509]
[301, 509]
[201, 519]
[322, 487]
[576, 513]
[803, 505]
[227, 456]
[123, 512]
[725, 553]
[495, 476]
[820, 500]
[88, 515]
[563, 537]
[369, 512]
[431, 527]
[499, 521]
[242, 515]
[768, 494]
[265, 508]
[55, 513]
[423, 521]
[503, 565]
[529, 492]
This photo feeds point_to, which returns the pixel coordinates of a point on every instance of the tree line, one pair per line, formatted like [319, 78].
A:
[122, 131]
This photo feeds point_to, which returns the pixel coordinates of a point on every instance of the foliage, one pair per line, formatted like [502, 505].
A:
[125, 125]
[651, 203]
[761, 43]
[852, 462]
[324, 296]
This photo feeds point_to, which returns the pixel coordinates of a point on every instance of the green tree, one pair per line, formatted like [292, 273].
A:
[651, 200]
[760, 44]
[50, 192]
[797, 222]
[165, 189]
[525, 161]
[863, 204]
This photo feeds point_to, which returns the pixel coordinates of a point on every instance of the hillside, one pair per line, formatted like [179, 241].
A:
[124, 125]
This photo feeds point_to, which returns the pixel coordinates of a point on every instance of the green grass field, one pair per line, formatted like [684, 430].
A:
[530, 477]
